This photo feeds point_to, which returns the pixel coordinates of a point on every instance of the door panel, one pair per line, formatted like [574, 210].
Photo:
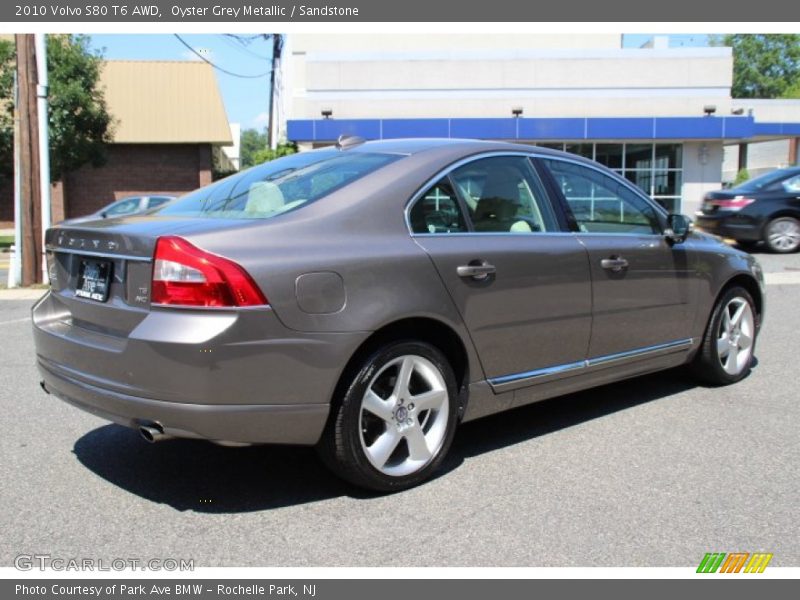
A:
[533, 312]
[643, 289]
[649, 302]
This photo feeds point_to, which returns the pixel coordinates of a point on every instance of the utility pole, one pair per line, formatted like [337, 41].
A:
[30, 190]
[277, 47]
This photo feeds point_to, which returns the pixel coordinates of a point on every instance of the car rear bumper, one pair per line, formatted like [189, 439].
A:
[232, 376]
[239, 423]
[734, 226]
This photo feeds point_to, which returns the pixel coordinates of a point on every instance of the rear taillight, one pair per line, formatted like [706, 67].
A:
[734, 204]
[185, 275]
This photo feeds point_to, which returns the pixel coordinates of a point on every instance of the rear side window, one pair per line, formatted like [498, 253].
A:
[437, 211]
[279, 185]
[503, 194]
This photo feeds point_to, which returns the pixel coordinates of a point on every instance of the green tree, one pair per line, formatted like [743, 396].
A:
[764, 65]
[793, 91]
[6, 108]
[80, 126]
[266, 154]
[252, 141]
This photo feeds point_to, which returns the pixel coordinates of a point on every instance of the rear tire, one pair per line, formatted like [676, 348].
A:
[782, 235]
[394, 423]
[726, 354]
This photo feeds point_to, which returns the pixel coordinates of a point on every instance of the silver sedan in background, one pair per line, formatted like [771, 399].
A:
[367, 298]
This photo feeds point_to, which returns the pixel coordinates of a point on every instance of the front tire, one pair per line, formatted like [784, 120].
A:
[782, 235]
[726, 355]
[395, 421]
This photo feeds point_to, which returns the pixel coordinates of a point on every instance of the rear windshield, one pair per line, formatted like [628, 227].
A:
[279, 185]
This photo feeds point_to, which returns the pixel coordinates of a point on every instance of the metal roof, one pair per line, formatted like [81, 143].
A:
[164, 102]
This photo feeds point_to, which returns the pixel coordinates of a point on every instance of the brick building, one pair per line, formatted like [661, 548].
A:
[170, 123]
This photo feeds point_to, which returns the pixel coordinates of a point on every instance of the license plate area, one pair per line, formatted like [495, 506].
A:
[94, 279]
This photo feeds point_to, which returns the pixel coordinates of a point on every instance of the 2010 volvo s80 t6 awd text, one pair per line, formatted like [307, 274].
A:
[366, 298]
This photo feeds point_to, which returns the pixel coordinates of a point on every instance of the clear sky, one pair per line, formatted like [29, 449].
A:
[247, 98]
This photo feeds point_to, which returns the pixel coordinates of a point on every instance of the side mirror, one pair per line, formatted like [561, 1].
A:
[678, 227]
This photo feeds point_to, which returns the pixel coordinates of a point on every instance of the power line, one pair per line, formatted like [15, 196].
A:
[231, 40]
[204, 59]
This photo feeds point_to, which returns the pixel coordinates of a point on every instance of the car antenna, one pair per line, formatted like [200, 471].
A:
[349, 141]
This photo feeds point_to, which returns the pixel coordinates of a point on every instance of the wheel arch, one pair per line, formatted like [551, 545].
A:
[749, 283]
[424, 329]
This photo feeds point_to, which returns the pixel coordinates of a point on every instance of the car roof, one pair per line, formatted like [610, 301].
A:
[411, 146]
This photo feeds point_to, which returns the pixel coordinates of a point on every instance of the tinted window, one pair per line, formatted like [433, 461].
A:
[503, 194]
[437, 211]
[157, 201]
[600, 203]
[123, 207]
[762, 181]
[279, 185]
[792, 185]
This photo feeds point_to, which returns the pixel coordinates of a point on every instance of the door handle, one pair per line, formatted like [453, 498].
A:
[615, 263]
[478, 272]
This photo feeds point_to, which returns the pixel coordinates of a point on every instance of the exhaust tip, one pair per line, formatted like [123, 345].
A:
[151, 433]
[44, 387]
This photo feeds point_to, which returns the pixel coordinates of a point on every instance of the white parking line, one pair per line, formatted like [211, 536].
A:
[786, 278]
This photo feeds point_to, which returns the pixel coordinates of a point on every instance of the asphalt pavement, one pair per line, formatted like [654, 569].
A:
[654, 471]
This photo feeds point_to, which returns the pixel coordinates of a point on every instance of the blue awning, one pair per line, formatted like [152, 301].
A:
[733, 128]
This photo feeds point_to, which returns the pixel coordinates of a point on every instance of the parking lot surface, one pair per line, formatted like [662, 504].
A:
[654, 471]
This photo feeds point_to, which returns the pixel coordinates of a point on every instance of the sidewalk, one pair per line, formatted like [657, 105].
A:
[22, 293]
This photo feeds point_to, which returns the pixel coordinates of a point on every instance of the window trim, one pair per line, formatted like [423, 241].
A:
[661, 213]
[561, 219]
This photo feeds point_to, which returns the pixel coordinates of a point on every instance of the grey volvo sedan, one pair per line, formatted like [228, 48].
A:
[368, 297]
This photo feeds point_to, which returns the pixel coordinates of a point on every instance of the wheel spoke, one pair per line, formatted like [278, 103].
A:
[737, 316]
[731, 364]
[726, 319]
[403, 377]
[417, 444]
[377, 406]
[383, 447]
[723, 345]
[432, 399]
[745, 341]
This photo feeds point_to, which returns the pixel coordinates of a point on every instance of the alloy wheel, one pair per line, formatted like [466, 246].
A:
[404, 416]
[783, 235]
[735, 336]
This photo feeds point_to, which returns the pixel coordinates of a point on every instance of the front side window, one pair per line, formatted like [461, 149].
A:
[503, 194]
[601, 204]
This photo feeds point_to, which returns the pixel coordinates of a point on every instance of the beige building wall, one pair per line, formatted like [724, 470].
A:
[485, 76]
[702, 168]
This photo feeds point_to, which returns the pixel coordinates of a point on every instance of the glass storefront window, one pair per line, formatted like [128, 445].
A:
[610, 155]
[669, 156]
[638, 156]
[657, 169]
[585, 150]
